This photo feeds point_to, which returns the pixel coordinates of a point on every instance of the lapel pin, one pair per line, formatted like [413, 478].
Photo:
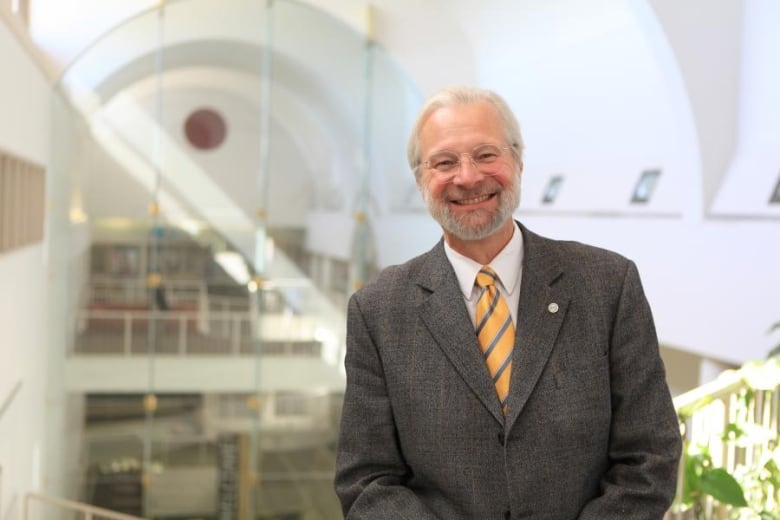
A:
[553, 307]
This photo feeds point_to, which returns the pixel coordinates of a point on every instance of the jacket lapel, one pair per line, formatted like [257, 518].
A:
[542, 308]
[444, 314]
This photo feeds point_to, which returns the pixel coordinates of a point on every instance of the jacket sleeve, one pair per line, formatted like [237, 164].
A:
[645, 442]
[370, 467]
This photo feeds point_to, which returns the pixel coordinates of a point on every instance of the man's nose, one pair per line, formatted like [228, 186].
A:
[468, 173]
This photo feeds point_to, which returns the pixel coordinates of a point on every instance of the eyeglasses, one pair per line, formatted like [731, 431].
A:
[485, 158]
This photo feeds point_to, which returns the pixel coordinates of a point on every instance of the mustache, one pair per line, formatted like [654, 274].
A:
[456, 193]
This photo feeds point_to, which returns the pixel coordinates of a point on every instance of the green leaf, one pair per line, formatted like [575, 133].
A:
[722, 487]
[695, 464]
[773, 473]
[775, 352]
[691, 485]
[732, 432]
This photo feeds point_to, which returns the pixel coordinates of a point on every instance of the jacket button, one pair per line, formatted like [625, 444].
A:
[507, 515]
[501, 441]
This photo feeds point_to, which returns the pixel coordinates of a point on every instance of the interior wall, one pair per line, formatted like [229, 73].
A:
[24, 130]
[22, 369]
[713, 285]
[24, 102]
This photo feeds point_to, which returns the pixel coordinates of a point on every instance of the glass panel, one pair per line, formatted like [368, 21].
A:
[206, 150]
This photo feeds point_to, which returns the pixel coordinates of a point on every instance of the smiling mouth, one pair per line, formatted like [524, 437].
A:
[473, 200]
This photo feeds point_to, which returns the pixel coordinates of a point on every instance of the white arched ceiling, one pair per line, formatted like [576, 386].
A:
[222, 185]
[295, 82]
[754, 172]
[705, 44]
[312, 110]
[183, 22]
[394, 103]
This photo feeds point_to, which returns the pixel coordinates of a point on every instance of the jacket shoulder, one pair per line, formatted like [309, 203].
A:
[392, 283]
[576, 256]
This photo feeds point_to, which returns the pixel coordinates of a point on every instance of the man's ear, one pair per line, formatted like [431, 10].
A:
[421, 189]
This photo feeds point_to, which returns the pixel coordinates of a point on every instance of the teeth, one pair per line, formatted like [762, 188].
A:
[475, 200]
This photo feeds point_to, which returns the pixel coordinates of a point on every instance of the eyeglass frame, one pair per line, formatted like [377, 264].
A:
[457, 168]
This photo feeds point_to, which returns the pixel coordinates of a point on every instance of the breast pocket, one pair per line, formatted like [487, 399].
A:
[583, 366]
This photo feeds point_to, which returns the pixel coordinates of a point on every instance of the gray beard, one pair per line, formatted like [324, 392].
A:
[462, 226]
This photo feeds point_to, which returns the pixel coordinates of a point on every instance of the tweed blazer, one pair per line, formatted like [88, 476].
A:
[590, 431]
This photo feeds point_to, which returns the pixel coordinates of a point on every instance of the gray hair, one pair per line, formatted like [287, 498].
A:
[463, 95]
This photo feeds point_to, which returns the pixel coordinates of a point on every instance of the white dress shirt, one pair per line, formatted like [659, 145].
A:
[508, 265]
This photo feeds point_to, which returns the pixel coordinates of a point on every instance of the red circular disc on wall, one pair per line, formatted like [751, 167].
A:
[205, 129]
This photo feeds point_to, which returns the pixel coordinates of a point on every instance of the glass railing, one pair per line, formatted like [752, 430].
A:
[278, 322]
[194, 146]
[211, 445]
[190, 319]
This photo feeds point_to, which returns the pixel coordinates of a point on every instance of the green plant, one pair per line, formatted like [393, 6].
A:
[761, 484]
[775, 352]
[760, 480]
[703, 479]
[751, 491]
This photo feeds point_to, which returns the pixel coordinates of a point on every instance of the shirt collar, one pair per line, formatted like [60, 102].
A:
[507, 265]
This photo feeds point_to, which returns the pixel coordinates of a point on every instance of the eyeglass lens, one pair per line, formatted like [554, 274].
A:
[484, 157]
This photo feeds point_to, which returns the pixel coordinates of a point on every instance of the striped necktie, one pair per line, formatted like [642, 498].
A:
[495, 332]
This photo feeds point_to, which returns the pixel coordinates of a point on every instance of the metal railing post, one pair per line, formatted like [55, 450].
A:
[182, 334]
[127, 333]
[235, 338]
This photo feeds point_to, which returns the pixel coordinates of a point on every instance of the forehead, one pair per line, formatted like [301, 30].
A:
[461, 127]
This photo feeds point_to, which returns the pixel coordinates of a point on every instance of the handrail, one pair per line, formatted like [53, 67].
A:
[726, 383]
[102, 289]
[759, 375]
[87, 509]
[189, 332]
[11, 395]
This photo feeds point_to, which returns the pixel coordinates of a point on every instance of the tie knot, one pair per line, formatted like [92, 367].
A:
[486, 277]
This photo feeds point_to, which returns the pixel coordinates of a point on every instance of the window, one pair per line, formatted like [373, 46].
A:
[552, 189]
[775, 198]
[645, 186]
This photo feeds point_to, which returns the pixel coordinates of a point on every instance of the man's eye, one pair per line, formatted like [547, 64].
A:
[487, 156]
[446, 163]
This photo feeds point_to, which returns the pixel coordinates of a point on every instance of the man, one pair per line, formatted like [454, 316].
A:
[560, 411]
